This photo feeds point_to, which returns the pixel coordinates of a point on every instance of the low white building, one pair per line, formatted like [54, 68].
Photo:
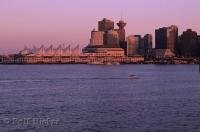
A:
[104, 52]
[163, 53]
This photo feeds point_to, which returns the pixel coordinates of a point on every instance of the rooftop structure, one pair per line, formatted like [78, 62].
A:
[51, 51]
[105, 25]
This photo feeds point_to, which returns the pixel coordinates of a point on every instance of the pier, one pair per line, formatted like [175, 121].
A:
[81, 59]
[93, 59]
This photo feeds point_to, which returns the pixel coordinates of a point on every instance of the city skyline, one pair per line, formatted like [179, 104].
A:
[45, 22]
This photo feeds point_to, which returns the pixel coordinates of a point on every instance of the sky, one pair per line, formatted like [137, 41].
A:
[37, 22]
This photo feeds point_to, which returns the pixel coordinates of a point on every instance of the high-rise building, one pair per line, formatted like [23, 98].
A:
[145, 46]
[148, 41]
[121, 31]
[133, 45]
[167, 38]
[112, 39]
[139, 38]
[97, 38]
[106, 40]
[188, 44]
[122, 35]
[111, 36]
[106, 25]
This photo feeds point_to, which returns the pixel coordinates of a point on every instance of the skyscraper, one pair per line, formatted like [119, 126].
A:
[133, 45]
[145, 46]
[167, 38]
[111, 36]
[122, 35]
[106, 40]
[105, 25]
[112, 39]
[189, 44]
[121, 31]
[97, 38]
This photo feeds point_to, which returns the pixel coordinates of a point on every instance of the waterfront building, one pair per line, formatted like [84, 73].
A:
[58, 51]
[103, 52]
[25, 50]
[40, 51]
[105, 25]
[121, 31]
[97, 38]
[51, 51]
[145, 46]
[112, 39]
[167, 38]
[148, 44]
[133, 42]
[122, 35]
[75, 51]
[123, 45]
[163, 53]
[188, 44]
[112, 35]
[106, 40]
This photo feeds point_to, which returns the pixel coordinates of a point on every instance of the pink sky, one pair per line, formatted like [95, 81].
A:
[36, 22]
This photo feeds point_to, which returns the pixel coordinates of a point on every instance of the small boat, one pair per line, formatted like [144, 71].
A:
[116, 63]
[96, 63]
[109, 64]
[133, 77]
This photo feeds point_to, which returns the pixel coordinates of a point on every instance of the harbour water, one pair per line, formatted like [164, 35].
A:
[99, 98]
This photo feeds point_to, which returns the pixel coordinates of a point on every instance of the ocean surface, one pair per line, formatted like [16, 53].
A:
[98, 98]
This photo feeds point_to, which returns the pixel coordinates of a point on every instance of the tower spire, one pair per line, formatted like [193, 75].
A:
[121, 17]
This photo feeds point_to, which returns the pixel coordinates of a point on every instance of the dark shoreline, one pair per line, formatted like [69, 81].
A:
[110, 60]
[142, 63]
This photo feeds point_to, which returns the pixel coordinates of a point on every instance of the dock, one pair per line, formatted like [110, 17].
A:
[81, 59]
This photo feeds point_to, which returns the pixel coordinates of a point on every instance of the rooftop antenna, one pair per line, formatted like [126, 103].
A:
[25, 47]
[121, 15]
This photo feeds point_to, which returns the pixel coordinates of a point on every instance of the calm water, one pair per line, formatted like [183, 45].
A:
[86, 98]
